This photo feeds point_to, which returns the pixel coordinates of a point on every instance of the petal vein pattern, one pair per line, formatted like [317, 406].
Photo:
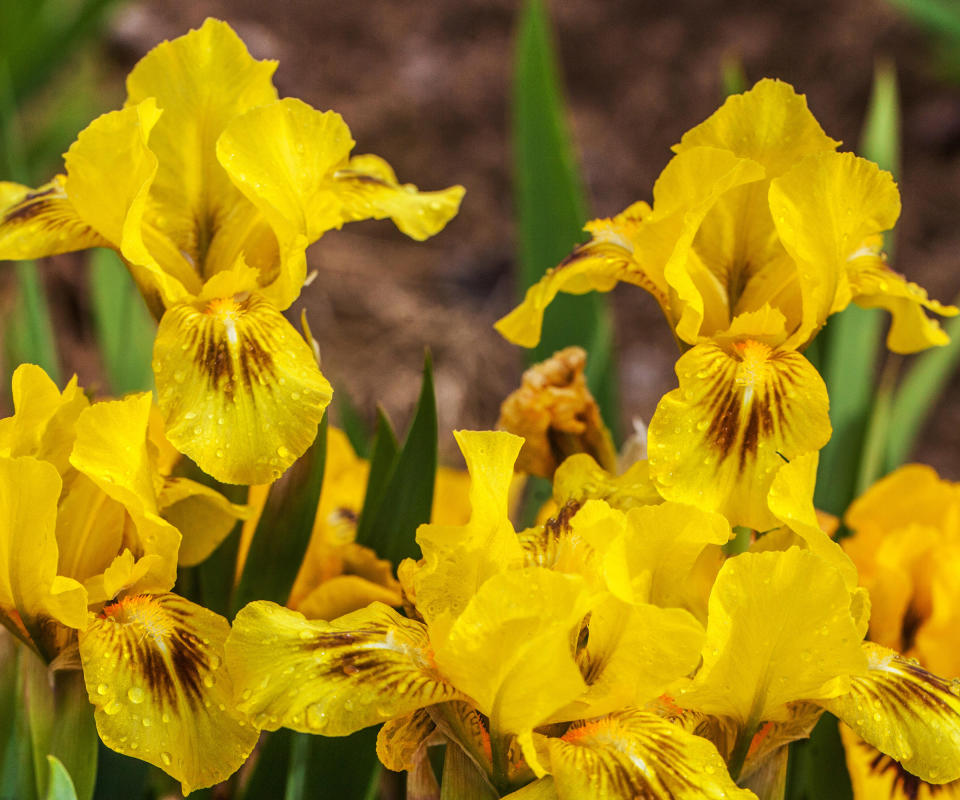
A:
[153, 670]
[331, 678]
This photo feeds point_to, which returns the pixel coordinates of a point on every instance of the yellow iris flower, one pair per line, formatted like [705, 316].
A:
[535, 653]
[759, 230]
[88, 555]
[211, 188]
[907, 549]
[578, 659]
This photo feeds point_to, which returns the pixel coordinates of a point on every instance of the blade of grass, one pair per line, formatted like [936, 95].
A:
[383, 457]
[284, 529]
[125, 330]
[551, 210]
[407, 496]
[851, 342]
[353, 424]
[941, 17]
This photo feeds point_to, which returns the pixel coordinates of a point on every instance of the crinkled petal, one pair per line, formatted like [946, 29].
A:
[29, 490]
[597, 265]
[110, 171]
[203, 516]
[634, 754]
[202, 81]
[152, 665]
[510, 649]
[281, 156]
[368, 189]
[779, 630]
[458, 559]
[876, 776]
[717, 441]
[44, 421]
[906, 712]
[769, 124]
[824, 209]
[331, 678]
[41, 222]
[581, 478]
[239, 388]
[401, 741]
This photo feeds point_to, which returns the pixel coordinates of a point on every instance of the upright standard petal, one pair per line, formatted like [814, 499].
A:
[111, 450]
[152, 666]
[239, 388]
[906, 712]
[779, 630]
[769, 124]
[457, 560]
[718, 440]
[29, 587]
[825, 209]
[633, 754]
[331, 678]
[110, 172]
[202, 81]
[510, 649]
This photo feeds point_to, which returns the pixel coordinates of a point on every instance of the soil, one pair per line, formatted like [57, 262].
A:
[427, 86]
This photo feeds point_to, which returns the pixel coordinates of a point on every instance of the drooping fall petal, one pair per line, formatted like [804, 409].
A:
[41, 222]
[153, 670]
[717, 441]
[239, 388]
[906, 712]
[331, 678]
[634, 754]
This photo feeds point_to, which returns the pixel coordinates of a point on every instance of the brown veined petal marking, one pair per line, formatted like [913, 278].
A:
[239, 388]
[331, 678]
[636, 754]
[905, 712]
[738, 415]
[152, 666]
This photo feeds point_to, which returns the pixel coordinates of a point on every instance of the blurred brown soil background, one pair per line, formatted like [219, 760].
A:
[427, 86]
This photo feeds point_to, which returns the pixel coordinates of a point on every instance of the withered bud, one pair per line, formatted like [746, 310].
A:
[557, 416]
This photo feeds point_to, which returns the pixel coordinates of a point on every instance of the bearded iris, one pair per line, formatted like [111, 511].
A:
[758, 232]
[87, 562]
[211, 188]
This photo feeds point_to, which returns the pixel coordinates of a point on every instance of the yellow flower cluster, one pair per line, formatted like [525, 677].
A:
[616, 649]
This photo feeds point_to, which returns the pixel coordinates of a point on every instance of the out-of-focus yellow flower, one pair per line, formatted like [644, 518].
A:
[211, 188]
[758, 232]
[556, 415]
[907, 549]
[87, 561]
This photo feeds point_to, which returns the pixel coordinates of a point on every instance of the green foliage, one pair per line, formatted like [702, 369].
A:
[817, 769]
[399, 493]
[551, 210]
[125, 329]
[59, 784]
[284, 529]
